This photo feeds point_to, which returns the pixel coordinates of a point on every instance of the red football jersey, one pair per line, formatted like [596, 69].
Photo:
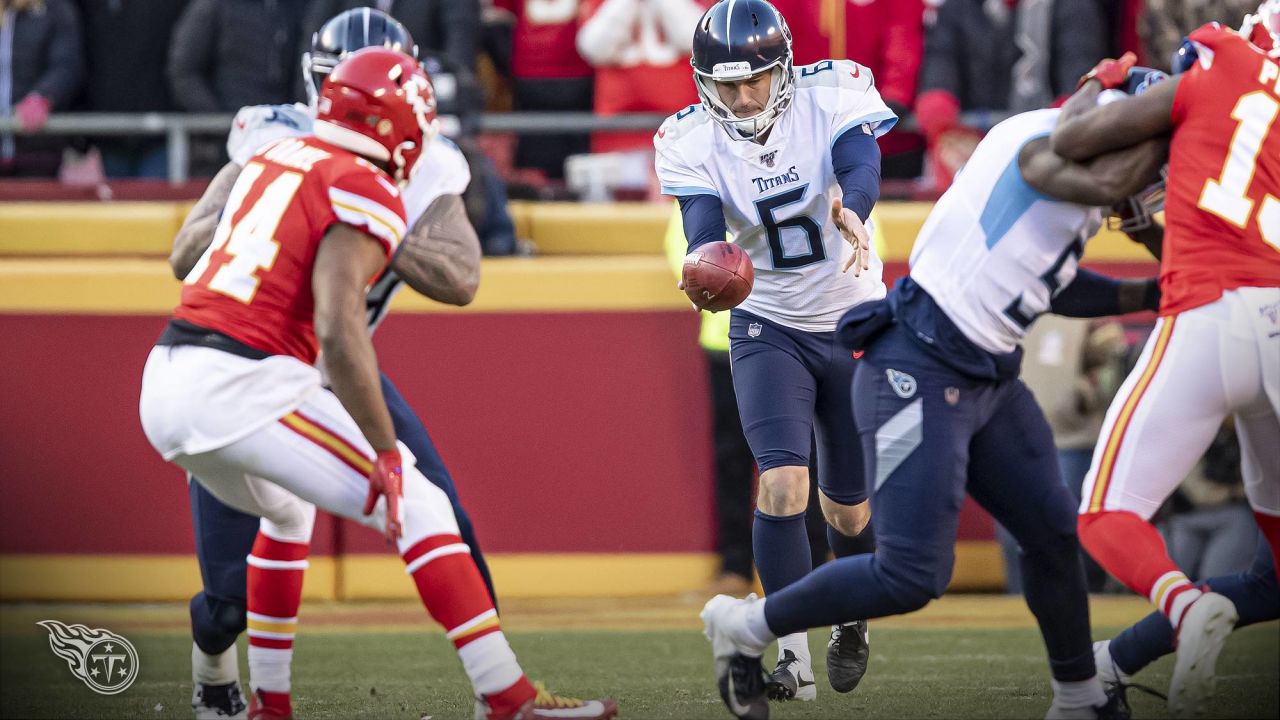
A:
[254, 281]
[1222, 209]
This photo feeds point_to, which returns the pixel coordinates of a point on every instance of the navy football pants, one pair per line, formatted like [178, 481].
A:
[225, 536]
[792, 387]
[929, 435]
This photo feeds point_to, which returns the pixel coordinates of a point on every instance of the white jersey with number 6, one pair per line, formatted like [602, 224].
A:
[994, 251]
[777, 196]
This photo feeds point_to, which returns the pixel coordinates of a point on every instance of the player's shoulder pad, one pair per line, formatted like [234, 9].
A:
[1213, 40]
[360, 172]
[1213, 34]
[257, 125]
[837, 74]
[446, 152]
[680, 125]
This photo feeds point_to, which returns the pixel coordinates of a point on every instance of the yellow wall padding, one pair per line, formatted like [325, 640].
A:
[556, 228]
[80, 228]
[546, 284]
[564, 228]
[156, 578]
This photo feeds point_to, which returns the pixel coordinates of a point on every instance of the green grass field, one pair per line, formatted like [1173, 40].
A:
[963, 657]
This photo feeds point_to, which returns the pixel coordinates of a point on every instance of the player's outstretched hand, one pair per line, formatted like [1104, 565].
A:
[692, 304]
[855, 234]
[387, 478]
[1111, 73]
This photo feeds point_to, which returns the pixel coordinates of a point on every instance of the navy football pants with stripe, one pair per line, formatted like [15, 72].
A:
[929, 435]
[225, 536]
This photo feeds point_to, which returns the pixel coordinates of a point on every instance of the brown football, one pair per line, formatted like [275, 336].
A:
[718, 276]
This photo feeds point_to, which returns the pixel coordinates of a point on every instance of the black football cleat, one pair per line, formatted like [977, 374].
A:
[742, 687]
[848, 652]
[791, 680]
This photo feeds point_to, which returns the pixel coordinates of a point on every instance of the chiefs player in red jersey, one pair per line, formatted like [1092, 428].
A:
[1215, 349]
[231, 393]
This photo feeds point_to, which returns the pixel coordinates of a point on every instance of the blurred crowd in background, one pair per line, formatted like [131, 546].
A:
[949, 68]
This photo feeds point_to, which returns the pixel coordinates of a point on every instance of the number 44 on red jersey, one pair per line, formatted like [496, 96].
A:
[254, 281]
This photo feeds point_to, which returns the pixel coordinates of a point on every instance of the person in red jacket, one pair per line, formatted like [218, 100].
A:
[640, 49]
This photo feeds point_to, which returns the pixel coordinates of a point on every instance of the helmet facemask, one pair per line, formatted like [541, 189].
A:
[345, 33]
[315, 68]
[781, 88]
[1137, 212]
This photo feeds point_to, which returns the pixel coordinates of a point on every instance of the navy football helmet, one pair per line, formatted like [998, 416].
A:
[345, 33]
[735, 40]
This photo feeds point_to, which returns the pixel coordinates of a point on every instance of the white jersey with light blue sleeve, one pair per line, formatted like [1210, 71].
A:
[994, 251]
[777, 196]
[442, 170]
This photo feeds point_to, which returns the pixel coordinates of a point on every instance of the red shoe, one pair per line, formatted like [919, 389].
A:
[270, 706]
[547, 705]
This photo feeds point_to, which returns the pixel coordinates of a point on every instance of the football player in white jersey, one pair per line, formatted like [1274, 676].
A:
[785, 158]
[439, 257]
[941, 411]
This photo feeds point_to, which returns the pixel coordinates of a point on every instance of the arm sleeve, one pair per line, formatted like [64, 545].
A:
[190, 56]
[855, 157]
[64, 66]
[1092, 295]
[703, 219]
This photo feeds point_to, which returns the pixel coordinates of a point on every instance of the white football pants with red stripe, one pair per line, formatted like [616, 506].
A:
[274, 460]
[1197, 368]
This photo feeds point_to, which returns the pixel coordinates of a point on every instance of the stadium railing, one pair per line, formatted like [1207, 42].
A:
[178, 128]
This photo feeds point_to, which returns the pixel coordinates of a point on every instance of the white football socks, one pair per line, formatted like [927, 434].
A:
[217, 669]
[756, 632]
[490, 664]
[1082, 693]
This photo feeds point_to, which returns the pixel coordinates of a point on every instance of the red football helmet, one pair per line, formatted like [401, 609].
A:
[379, 103]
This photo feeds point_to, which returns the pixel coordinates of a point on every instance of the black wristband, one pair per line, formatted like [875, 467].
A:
[1151, 295]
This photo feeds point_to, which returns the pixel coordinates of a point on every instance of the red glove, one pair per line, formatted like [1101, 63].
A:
[1111, 73]
[387, 479]
[32, 112]
[937, 111]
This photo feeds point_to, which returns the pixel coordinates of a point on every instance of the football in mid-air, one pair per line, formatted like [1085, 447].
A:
[717, 276]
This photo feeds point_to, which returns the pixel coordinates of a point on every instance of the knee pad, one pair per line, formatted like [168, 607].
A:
[216, 623]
